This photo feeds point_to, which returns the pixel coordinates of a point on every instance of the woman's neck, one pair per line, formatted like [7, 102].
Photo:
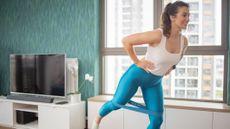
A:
[175, 32]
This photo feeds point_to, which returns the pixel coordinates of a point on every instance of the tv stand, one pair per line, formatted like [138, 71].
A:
[33, 98]
[49, 115]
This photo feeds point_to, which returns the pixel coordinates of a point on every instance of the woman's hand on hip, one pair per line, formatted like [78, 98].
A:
[145, 64]
[168, 72]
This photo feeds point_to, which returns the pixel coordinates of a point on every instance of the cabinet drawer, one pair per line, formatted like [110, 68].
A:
[53, 118]
[6, 113]
[221, 120]
[188, 119]
[141, 120]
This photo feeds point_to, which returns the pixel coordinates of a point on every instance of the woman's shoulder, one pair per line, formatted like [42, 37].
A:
[156, 35]
[185, 40]
[158, 31]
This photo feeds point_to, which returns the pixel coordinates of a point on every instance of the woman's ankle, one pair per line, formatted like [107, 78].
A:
[98, 119]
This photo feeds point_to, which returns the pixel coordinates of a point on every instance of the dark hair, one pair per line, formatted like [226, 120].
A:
[171, 9]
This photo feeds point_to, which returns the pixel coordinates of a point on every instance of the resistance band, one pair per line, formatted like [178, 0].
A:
[138, 108]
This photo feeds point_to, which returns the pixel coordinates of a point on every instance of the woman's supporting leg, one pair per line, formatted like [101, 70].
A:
[153, 97]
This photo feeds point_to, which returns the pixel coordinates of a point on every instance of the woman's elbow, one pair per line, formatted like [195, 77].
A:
[125, 42]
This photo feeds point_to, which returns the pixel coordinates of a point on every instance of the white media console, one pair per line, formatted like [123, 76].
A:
[178, 115]
[49, 115]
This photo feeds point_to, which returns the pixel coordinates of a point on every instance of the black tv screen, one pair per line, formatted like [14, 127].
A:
[41, 74]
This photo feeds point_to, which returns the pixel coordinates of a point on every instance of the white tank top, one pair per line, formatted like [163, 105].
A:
[162, 59]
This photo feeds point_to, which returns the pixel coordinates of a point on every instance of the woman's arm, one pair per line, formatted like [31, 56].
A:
[149, 37]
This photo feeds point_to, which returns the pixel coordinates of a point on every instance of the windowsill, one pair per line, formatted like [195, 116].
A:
[178, 104]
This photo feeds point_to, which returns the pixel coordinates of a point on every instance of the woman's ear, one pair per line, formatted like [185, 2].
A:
[172, 18]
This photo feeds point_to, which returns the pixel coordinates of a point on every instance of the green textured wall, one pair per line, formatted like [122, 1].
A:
[51, 26]
[228, 94]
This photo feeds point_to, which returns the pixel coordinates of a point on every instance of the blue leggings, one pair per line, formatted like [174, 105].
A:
[151, 86]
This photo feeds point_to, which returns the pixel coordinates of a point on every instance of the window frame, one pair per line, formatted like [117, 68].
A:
[192, 50]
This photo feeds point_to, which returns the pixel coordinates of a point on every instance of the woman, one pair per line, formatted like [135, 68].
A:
[166, 46]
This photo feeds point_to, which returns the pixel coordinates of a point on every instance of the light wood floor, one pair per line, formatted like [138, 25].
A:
[5, 127]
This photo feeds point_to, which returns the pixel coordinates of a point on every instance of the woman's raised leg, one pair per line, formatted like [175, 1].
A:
[126, 89]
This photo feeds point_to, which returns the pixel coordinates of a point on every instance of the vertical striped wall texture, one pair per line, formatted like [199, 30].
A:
[51, 26]
[228, 94]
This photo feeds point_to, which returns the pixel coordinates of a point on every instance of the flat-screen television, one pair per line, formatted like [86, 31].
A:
[38, 74]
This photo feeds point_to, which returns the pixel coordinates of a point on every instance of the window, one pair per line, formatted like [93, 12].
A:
[192, 82]
[179, 82]
[126, 17]
[180, 71]
[192, 94]
[201, 74]
[192, 72]
[180, 93]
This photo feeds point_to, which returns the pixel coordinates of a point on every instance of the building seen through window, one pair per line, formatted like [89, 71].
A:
[196, 76]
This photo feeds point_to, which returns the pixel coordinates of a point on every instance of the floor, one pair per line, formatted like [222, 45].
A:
[4, 127]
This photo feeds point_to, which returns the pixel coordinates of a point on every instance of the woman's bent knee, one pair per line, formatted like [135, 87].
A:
[113, 106]
[107, 108]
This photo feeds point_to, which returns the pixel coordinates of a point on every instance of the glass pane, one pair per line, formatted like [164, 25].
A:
[201, 77]
[125, 17]
[204, 80]
[114, 68]
[204, 27]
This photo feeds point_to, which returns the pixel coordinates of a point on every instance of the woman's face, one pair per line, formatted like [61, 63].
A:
[181, 19]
